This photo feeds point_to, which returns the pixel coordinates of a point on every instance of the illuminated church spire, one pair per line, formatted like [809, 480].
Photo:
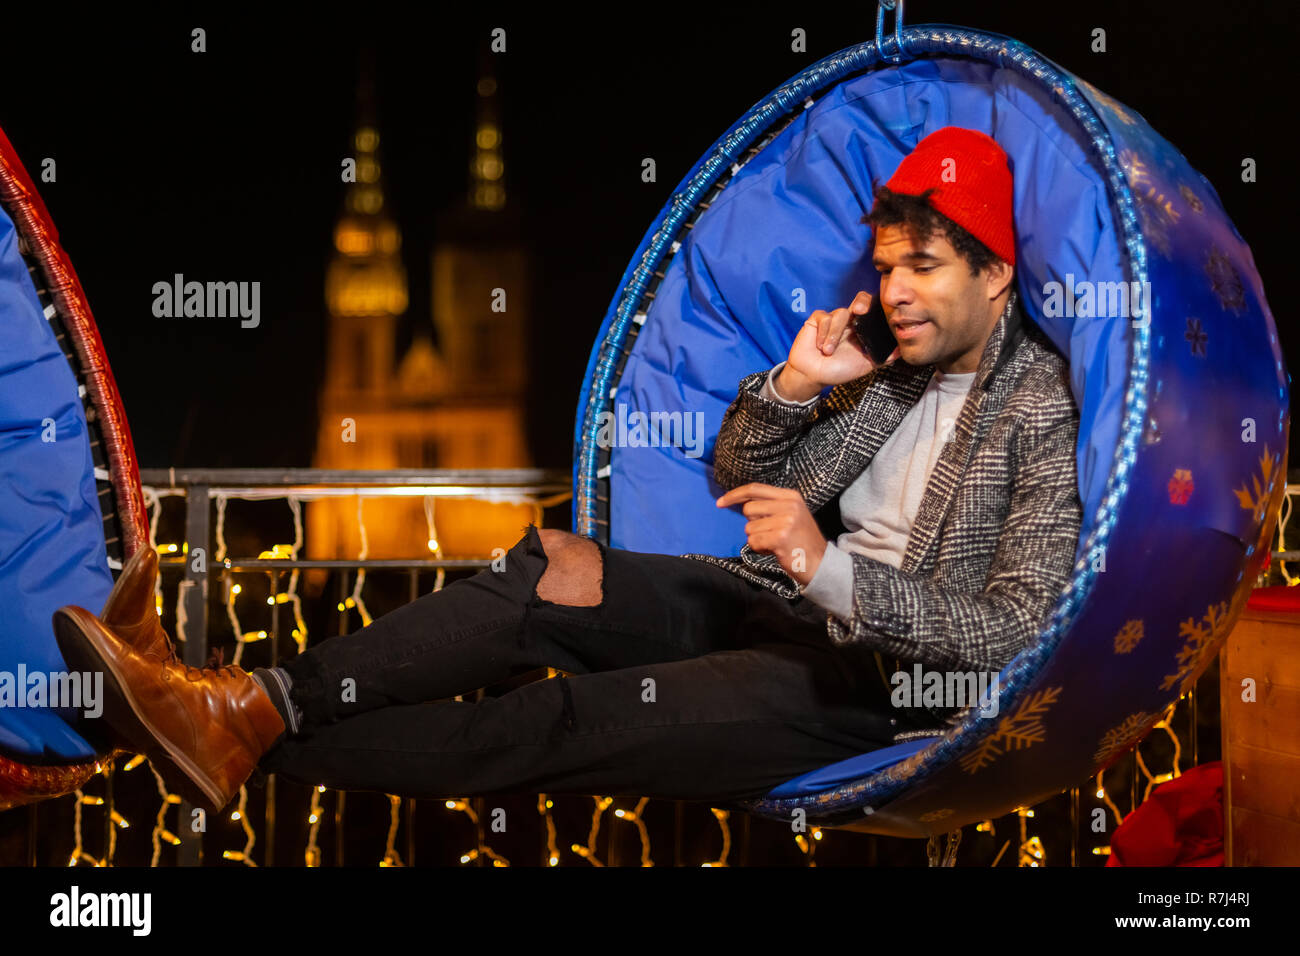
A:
[366, 277]
[487, 189]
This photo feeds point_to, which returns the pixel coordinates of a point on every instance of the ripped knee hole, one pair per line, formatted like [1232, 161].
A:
[573, 574]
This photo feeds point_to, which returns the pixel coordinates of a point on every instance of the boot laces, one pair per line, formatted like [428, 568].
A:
[215, 664]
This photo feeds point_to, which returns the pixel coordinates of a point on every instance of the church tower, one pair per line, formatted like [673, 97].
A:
[480, 293]
[455, 398]
[480, 269]
[365, 286]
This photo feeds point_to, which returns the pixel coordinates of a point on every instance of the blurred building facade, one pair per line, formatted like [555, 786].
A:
[455, 397]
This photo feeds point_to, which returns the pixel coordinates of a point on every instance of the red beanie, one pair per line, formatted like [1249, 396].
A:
[972, 184]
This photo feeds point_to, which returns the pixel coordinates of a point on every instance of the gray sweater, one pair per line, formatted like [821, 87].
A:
[878, 507]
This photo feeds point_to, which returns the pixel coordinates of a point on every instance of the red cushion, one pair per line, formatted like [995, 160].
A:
[1280, 598]
[1180, 825]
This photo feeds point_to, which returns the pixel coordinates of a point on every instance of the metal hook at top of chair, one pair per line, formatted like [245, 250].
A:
[881, 7]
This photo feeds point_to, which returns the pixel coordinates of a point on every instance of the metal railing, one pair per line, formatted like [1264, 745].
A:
[202, 487]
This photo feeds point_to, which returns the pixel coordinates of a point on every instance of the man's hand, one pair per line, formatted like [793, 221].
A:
[826, 351]
[782, 525]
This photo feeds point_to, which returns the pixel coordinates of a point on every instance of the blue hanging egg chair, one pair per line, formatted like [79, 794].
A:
[71, 503]
[1184, 416]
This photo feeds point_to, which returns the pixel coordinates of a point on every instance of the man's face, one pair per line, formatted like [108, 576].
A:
[930, 284]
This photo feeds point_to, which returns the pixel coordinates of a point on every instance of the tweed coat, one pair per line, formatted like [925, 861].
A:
[994, 538]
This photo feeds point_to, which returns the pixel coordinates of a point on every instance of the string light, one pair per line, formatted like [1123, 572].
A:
[160, 831]
[1165, 723]
[809, 847]
[314, 816]
[722, 816]
[588, 852]
[634, 816]
[544, 808]
[79, 854]
[391, 856]
[240, 815]
[356, 600]
[1283, 518]
[240, 636]
[465, 807]
[434, 546]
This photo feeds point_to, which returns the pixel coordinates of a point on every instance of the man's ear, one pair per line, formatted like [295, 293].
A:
[1000, 276]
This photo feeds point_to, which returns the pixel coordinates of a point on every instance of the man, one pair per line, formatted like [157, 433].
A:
[698, 677]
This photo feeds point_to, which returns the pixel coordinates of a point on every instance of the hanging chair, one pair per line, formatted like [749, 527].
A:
[73, 509]
[1184, 421]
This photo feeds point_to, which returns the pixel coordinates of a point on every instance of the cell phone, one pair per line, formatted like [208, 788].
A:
[874, 332]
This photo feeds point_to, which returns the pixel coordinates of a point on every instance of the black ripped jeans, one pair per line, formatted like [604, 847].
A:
[689, 683]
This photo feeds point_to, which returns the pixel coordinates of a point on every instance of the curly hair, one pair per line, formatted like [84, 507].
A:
[921, 219]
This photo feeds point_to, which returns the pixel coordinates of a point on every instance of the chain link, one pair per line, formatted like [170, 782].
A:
[949, 853]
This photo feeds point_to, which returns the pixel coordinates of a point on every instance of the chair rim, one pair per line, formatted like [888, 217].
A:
[24, 782]
[33, 223]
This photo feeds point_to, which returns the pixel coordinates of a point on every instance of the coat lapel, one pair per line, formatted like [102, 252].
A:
[877, 413]
[982, 405]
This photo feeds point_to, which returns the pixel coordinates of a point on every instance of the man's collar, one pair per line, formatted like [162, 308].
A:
[1006, 336]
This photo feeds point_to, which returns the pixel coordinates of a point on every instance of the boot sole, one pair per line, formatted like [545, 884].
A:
[81, 652]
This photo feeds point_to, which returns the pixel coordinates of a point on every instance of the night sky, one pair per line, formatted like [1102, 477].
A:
[225, 165]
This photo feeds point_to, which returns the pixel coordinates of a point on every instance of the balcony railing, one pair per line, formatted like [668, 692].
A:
[202, 489]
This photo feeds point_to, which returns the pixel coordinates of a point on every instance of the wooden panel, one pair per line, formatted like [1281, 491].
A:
[1272, 721]
[1263, 840]
[1261, 741]
[1226, 691]
[1267, 781]
[1262, 650]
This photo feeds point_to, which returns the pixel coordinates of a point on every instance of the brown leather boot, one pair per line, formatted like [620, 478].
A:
[204, 729]
[131, 613]
[130, 610]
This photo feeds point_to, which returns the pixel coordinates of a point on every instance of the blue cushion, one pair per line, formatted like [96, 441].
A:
[846, 771]
[789, 220]
[52, 549]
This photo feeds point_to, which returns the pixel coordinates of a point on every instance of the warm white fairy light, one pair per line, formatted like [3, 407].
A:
[240, 815]
[434, 546]
[1165, 723]
[722, 816]
[361, 572]
[465, 807]
[314, 817]
[544, 805]
[300, 625]
[391, 856]
[231, 612]
[160, 831]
